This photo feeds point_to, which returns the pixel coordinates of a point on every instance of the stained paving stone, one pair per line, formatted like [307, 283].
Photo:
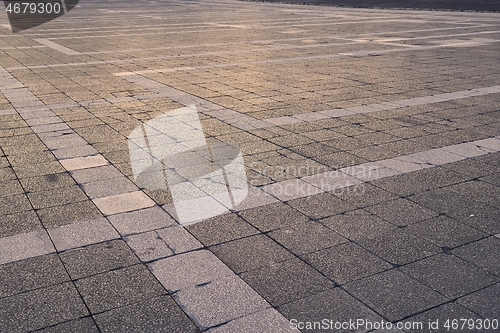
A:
[334, 304]
[98, 258]
[395, 295]
[286, 281]
[222, 229]
[449, 275]
[250, 253]
[483, 253]
[47, 182]
[41, 308]
[118, 288]
[484, 302]
[346, 262]
[30, 274]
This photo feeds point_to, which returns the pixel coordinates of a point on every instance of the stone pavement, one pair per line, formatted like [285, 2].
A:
[352, 169]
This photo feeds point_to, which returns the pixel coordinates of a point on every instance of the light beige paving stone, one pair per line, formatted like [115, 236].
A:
[74, 152]
[178, 239]
[79, 163]
[335, 113]
[404, 164]
[122, 203]
[286, 120]
[141, 221]
[436, 156]
[491, 143]
[189, 270]
[268, 320]
[220, 301]
[24, 246]
[148, 246]
[82, 233]
[311, 116]
[467, 150]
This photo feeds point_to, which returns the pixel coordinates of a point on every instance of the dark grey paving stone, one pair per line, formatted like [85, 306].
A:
[483, 253]
[366, 195]
[449, 275]
[272, 216]
[34, 273]
[305, 237]
[286, 281]
[440, 314]
[321, 205]
[480, 191]
[57, 197]
[446, 232]
[250, 253]
[334, 304]
[340, 159]
[401, 212]
[10, 187]
[19, 223]
[399, 246]
[462, 208]
[358, 225]
[221, 229]
[14, 204]
[485, 302]
[159, 314]
[472, 167]
[98, 258]
[40, 308]
[84, 325]
[118, 288]
[394, 295]
[47, 182]
[346, 262]
[62, 215]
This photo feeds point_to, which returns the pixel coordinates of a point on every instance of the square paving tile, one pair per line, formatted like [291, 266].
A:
[346, 262]
[321, 205]
[449, 275]
[401, 212]
[249, 253]
[141, 220]
[122, 203]
[118, 288]
[272, 216]
[286, 281]
[485, 302]
[483, 253]
[394, 295]
[86, 324]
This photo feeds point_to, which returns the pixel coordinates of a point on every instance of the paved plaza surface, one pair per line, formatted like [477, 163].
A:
[349, 169]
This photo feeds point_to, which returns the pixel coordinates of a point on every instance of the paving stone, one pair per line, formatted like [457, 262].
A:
[485, 302]
[14, 204]
[149, 246]
[334, 304]
[358, 225]
[79, 163]
[56, 197]
[221, 229]
[265, 320]
[83, 233]
[346, 262]
[250, 253]
[86, 324]
[449, 275]
[30, 274]
[286, 281]
[445, 232]
[41, 308]
[160, 314]
[273, 216]
[19, 223]
[219, 302]
[365, 195]
[108, 187]
[141, 220]
[118, 288]
[291, 189]
[178, 239]
[321, 205]
[98, 258]
[394, 295]
[95, 174]
[62, 215]
[47, 182]
[401, 212]
[122, 203]
[24, 246]
[189, 270]
[482, 253]
[305, 237]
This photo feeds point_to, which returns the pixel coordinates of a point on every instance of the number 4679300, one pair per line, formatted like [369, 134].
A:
[33, 8]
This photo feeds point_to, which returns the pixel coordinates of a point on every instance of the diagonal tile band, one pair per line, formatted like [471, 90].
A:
[176, 240]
